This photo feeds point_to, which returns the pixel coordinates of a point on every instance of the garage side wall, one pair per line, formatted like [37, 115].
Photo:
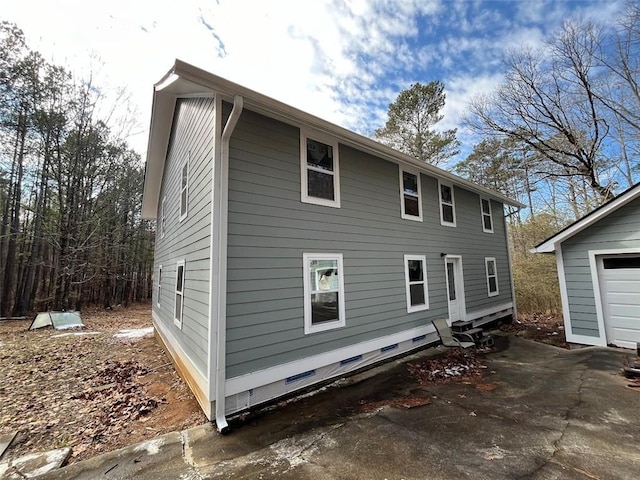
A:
[619, 230]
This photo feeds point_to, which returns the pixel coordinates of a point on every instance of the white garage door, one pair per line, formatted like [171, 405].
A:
[620, 290]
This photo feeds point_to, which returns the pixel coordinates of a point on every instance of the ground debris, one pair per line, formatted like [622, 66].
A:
[92, 393]
[539, 326]
[454, 364]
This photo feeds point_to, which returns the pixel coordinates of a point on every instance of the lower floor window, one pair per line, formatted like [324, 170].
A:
[179, 303]
[492, 276]
[323, 292]
[415, 272]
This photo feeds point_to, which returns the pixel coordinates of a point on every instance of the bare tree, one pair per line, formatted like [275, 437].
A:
[548, 102]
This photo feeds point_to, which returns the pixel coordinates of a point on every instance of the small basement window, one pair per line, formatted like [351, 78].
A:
[323, 292]
[319, 167]
[492, 276]
[447, 205]
[487, 220]
[410, 195]
[415, 273]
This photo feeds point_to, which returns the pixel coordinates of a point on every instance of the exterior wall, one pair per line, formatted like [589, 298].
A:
[270, 229]
[618, 230]
[189, 239]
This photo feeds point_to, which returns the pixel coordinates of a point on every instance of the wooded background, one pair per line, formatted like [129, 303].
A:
[70, 192]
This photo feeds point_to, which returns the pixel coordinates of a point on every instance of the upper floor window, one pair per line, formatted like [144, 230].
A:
[323, 292]
[319, 167]
[487, 220]
[447, 205]
[163, 216]
[492, 276]
[410, 195]
[415, 273]
[184, 189]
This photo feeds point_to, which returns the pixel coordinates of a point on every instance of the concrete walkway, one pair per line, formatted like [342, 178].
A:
[538, 413]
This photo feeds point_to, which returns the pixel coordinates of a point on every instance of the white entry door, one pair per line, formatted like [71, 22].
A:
[455, 288]
[619, 277]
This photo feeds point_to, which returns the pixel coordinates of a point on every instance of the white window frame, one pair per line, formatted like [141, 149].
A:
[163, 216]
[405, 215]
[184, 190]
[408, 283]
[441, 203]
[177, 319]
[159, 291]
[308, 291]
[484, 214]
[304, 169]
[488, 260]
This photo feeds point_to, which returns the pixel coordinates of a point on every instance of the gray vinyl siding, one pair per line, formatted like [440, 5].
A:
[619, 229]
[189, 239]
[270, 229]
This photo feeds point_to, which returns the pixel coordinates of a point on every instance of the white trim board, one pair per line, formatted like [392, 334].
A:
[552, 243]
[285, 370]
[566, 315]
[476, 314]
[280, 372]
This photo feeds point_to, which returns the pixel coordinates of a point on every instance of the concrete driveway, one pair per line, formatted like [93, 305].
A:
[538, 413]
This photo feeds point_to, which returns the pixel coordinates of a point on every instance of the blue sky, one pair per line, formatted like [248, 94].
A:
[342, 60]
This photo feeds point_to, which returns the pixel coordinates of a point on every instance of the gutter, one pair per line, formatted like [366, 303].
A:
[223, 206]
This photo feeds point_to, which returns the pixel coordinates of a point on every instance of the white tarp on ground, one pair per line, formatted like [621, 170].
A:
[58, 320]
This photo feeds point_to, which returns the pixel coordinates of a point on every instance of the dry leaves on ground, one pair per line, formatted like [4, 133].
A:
[454, 364]
[92, 392]
[541, 327]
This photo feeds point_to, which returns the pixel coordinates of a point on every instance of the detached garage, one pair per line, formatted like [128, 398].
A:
[598, 260]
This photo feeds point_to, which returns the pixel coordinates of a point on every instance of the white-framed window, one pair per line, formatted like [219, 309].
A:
[447, 204]
[323, 292]
[415, 274]
[184, 189]
[410, 195]
[319, 169]
[159, 291]
[163, 216]
[487, 219]
[179, 300]
[492, 276]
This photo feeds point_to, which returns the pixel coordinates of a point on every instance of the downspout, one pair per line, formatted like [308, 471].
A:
[223, 208]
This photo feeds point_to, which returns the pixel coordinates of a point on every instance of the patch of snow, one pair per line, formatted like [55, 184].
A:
[69, 327]
[134, 333]
[151, 446]
[76, 334]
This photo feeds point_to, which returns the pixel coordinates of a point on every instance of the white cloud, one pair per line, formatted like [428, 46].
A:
[343, 60]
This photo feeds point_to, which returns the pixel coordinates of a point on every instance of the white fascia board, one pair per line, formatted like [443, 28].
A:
[551, 244]
[274, 109]
[166, 91]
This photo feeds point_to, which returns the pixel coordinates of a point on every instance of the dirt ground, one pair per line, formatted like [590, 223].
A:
[92, 392]
[540, 327]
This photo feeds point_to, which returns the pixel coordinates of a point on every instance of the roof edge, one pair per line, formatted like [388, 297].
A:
[549, 245]
[263, 104]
